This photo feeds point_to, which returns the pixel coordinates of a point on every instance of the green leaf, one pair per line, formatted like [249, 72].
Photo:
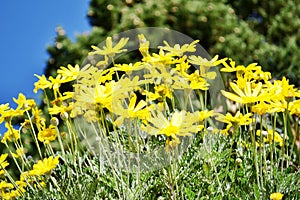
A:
[256, 191]
[189, 193]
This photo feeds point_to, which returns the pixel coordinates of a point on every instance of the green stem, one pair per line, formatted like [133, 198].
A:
[255, 158]
[285, 143]
[57, 186]
[262, 144]
[172, 175]
[34, 135]
[60, 143]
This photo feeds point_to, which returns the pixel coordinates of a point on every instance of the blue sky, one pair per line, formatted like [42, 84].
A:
[27, 28]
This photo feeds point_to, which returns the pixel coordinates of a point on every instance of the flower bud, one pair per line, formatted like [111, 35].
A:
[64, 116]
[25, 105]
[238, 161]
[24, 130]
[210, 128]
[264, 133]
[63, 134]
[54, 121]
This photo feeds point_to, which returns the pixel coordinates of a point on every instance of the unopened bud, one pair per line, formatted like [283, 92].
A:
[264, 133]
[210, 128]
[238, 161]
[25, 105]
[64, 116]
[54, 121]
[24, 130]
[63, 134]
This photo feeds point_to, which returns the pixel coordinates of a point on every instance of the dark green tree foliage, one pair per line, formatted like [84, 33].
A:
[262, 31]
[278, 23]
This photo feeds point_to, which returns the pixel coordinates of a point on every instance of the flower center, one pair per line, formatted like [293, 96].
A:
[170, 130]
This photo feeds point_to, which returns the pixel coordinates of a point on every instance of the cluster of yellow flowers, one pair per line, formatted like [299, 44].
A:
[142, 93]
[34, 123]
[253, 87]
[155, 78]
[254, 90]
[13, 189]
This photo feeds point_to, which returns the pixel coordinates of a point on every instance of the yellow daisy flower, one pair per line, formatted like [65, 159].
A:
[44, 166]
[3, 163]
[294, 107]
[11, 134]
[47, 135]
[161, 57]
[276, 196]
[134, 110]
[246, 95]
[204, 114]
[144, 45]
[127, 68]
[23, 102]
[197, 81]
[19, 152]
[271, 136]
[70, 73]
[237, 119]
[42, 83]
[179, 124]
[109, 50]
[179, 51]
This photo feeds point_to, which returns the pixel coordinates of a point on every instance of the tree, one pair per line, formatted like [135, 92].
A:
[264, 31]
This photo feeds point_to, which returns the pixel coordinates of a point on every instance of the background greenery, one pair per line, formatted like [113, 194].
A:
[248, 31]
